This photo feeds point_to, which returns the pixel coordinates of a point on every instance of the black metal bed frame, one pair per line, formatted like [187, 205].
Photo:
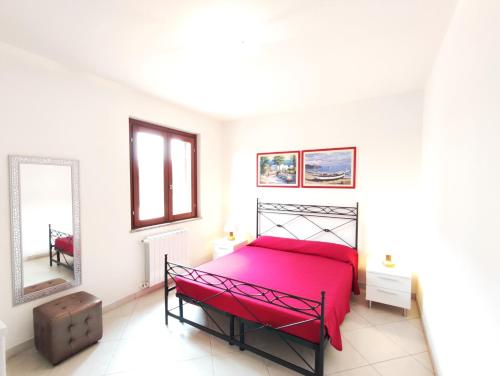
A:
[348, 214]
[313, 310]
[53, 235]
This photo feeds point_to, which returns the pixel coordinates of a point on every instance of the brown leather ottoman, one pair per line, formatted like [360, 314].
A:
[67, 325]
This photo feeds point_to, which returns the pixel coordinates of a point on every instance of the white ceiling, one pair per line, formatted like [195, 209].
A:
[238, 58]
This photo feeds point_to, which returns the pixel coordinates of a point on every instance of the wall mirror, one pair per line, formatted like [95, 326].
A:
[45, 226]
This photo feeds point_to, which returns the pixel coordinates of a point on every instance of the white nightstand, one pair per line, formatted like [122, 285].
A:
[388, 285]
[224, 246]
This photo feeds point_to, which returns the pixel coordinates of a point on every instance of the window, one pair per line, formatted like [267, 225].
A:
[162, 174]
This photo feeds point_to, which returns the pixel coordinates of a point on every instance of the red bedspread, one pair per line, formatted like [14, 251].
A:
[302, 268]
[65, 245]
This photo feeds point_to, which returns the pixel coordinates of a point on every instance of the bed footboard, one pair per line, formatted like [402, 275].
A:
[53, 236]
[310, 310]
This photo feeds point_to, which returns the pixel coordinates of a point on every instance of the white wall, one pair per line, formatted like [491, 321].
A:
[49, 110]
[387, 133]
[460, 293]
[46, 198]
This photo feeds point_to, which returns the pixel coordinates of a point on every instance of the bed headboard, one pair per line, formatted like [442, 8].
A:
[309, 222]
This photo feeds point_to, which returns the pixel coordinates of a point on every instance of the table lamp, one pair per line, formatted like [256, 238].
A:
[388, 261]
[230, 228]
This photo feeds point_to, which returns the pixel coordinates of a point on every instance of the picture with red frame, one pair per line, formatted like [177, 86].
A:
[329, 168]
[278, 169]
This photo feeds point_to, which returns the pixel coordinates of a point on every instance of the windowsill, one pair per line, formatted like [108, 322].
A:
[165, 224]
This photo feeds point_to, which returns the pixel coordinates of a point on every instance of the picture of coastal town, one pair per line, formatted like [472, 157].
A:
[329, 168]
[278, 169]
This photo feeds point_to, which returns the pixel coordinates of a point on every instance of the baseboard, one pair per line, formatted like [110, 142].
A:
[40, 255]
[26, 345]
[132, 297]
[19, 348]
[424, 327]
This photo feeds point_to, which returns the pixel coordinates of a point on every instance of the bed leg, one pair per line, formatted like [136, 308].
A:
[166, 304]
[50, 245]
[319, 359]
[181, 309]
[166, 289]
[231, 330]
[242, 333]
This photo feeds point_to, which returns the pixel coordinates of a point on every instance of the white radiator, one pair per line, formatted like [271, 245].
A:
[174, 243]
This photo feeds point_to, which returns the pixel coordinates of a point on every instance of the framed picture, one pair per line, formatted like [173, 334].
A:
[279, 169]
[329, 168]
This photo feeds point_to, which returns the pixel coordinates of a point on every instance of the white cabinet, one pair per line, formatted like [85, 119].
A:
[390, 286]
[224, 246]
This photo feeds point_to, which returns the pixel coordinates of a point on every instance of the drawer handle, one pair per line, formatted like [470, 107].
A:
[387, 292]
[389, 279]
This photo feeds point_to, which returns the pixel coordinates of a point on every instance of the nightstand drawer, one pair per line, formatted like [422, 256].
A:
[223, 249]
[224, 246]
[219, 253]
[388, 282]
[388, 296]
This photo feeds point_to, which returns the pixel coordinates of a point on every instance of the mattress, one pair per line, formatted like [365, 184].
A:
[301, 268]
[65, 245]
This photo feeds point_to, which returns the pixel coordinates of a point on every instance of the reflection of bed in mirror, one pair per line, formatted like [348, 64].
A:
[60, 247]
[44, 196]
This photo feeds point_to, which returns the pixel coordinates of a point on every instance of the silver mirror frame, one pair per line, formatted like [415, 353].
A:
[15, 161]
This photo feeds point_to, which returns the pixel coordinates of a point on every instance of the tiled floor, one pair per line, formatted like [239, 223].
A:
[377, 342]
[39, 270]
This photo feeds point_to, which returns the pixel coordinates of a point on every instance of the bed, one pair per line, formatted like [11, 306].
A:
[60, 244]
[297, 288]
